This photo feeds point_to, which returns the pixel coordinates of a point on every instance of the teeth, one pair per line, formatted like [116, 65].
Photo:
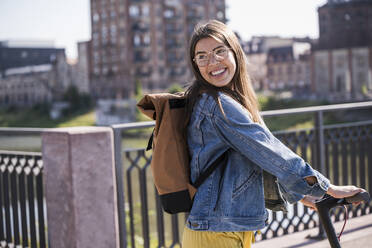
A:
[214, 73]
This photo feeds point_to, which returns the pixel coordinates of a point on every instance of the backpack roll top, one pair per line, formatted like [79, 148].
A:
[170, 157]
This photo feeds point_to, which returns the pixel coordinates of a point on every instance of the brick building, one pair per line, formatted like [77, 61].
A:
[342, 59]
[143, 41]
[277, 63]
[288, 67]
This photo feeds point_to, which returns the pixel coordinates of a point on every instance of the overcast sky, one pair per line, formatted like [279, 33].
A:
[67, 21]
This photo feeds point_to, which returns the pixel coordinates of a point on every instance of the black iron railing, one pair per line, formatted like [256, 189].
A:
[341, 152]
[22, 211]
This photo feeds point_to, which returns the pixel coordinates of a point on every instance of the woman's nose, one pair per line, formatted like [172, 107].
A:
[212, 60]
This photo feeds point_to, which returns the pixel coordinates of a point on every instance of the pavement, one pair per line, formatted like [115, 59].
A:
[357, 234]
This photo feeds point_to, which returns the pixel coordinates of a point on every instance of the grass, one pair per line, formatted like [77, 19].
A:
[35, 117]
[84, 119]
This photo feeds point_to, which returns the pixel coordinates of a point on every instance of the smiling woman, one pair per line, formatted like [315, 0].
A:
[224, 122]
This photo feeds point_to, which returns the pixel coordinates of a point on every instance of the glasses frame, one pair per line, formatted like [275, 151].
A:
[214, 55]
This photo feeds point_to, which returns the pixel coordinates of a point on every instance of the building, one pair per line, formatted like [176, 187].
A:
[143, 42]
[31, 75]
[345, 23]
[81, 69]
[256, 51]
[14, 54]
[342, 59]
[277, 63]
[288, 67]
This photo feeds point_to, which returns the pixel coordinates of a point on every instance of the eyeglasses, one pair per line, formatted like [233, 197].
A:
[220, 53]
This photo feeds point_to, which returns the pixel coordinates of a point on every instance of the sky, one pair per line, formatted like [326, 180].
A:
[65, 22]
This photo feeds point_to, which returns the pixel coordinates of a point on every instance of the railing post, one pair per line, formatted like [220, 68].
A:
[80, 187]
[120, 187]
[320, 141]
[320, 156]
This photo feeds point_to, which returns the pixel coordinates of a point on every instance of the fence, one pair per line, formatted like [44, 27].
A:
[341, 152]
[22, 216]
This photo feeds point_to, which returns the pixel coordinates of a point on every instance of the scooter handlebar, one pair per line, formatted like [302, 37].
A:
[327, 203]
[362, 196]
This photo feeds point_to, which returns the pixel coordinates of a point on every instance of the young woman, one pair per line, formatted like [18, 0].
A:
[224, 117]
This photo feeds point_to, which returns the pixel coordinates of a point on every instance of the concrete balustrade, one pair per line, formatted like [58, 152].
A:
[80, 188]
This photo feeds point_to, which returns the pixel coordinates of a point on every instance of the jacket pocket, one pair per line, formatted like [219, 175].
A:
[198, 132]
[241, 187]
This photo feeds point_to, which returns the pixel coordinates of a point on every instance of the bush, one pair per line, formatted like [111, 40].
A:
[78, 101]
[174, 88]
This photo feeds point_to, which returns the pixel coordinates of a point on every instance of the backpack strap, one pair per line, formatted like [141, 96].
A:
[221, 160]
[149, 144]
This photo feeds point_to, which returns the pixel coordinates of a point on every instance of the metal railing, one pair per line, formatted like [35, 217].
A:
[22, 207]
[334, 150]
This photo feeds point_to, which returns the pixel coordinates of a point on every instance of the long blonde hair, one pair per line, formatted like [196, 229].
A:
[240, 88]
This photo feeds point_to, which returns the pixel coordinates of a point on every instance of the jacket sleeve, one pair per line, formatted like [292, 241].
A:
[259, 145]
[289, 196]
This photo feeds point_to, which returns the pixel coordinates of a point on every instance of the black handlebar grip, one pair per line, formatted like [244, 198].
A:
[362, 196]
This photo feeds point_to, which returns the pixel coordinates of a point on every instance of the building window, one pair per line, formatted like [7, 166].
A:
[361, 78]
[133, 11]
[347, 17]
[279, 70]
[361, 61]
[95, 17]
[220, 15]
[146, 39]
[145, 10]
[340, 84]
[104, 31]
[270, 71]
[24, 54]
[168, 13]
[113, 29]
[289, 69]
[136, 40]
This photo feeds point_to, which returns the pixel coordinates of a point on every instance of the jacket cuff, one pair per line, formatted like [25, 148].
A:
[321, 186]
[318, 189]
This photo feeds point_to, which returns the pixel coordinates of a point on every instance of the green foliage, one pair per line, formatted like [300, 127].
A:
[287, 121]
[364, 89]
[138, 90]
[174, 88]
[78, 101]
[36, 117]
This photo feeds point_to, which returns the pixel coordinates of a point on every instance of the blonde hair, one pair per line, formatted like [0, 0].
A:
[240, 88]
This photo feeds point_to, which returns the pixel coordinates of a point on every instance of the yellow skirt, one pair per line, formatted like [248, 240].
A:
[205, 239]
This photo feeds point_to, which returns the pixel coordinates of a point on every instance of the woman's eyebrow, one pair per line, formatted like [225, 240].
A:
[212, 49]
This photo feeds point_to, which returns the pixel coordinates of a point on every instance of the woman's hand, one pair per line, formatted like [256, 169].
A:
[309, 201]
[343, 191]
[334, 191]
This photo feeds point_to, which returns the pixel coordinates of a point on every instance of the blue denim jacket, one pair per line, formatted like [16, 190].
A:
[233, 199]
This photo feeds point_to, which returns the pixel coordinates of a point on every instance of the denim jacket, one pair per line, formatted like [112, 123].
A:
[232, 198]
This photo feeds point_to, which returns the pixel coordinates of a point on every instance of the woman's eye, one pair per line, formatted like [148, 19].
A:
[201, 56]
[220, 51]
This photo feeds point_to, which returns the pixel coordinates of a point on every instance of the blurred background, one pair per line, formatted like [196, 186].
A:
[66, 63]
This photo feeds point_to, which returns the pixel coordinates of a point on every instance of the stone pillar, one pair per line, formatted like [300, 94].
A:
[80, 187]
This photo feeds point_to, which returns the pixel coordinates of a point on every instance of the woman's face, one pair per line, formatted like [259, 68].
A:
[216, 62]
